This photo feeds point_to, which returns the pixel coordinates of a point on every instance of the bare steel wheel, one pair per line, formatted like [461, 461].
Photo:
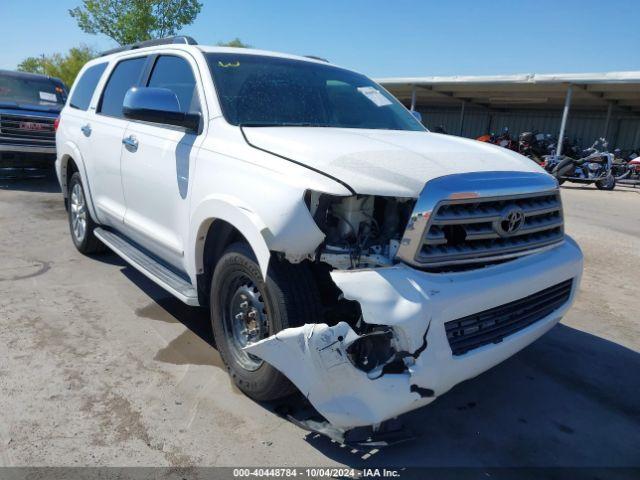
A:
[246, 308]
[81, 225]
[245, 321]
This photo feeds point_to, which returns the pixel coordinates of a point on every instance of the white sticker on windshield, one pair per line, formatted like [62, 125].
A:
[375, 96]
[48, 97]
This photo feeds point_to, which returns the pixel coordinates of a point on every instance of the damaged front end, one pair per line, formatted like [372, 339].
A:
[385, 345]
[357, 369]
[359, 379]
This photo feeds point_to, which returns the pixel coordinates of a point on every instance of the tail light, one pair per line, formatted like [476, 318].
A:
[56, 123]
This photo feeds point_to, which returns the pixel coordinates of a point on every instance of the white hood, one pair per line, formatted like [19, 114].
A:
[386, 162]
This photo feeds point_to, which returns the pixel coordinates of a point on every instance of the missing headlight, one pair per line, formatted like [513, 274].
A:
[361, 230]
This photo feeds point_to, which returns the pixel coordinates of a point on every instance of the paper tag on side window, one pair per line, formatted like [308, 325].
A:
[48, 97]
[375, 96]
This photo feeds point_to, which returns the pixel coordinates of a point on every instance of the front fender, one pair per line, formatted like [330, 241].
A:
[232, 211]
[66, 151]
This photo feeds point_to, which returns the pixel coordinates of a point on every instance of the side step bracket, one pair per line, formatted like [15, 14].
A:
[149, 266]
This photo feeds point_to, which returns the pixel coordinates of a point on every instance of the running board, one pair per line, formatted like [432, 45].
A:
[149, 267]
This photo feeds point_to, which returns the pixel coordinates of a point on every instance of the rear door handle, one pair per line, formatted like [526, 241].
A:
[130, 143]
[86, 129]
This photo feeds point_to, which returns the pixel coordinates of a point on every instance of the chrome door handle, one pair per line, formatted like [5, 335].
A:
[130, 143]
[86, 129]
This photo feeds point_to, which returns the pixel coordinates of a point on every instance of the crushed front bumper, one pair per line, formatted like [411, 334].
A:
[416, 305]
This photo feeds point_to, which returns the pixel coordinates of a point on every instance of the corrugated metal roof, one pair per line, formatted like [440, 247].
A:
[529, 90]
[581, 78]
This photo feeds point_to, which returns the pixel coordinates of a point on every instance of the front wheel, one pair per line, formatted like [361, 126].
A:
[81, 225]
[609, 183]
[245, 308]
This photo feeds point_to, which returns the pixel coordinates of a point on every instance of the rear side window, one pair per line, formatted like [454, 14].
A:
[85, 86]
[124, 76]
[175, 74]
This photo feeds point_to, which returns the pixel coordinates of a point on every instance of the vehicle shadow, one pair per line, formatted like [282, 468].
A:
[571, 399]
[196, 319]
[36, 181]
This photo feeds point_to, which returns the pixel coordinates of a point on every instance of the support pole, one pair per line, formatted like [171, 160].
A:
[565, 115]
[636, 138]
[461, 119]
[613, 142]
[413, 98]
[605, 130]
[489, 122]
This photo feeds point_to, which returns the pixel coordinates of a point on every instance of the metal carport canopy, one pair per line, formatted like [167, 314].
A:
[591, 90]
[618, 91]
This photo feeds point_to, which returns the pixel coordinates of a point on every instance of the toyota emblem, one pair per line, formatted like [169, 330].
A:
[510, 222]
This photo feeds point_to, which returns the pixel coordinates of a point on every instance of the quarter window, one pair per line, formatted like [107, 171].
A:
[85, 86]
[124, 76]
[175, 74]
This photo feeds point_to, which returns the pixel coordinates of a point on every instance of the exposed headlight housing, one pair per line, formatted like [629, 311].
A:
[360, 230]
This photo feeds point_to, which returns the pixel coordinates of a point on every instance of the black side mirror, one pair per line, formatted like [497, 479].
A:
[158, 105]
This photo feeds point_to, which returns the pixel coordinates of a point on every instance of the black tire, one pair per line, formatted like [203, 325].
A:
[289, 298]
[608, 183]
[87, 243]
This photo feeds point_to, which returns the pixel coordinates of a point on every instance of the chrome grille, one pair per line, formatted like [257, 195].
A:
[469, 220]
[467, 229]
[27, 130]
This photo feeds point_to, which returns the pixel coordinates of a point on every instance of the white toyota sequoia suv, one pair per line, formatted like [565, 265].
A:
[342, 248]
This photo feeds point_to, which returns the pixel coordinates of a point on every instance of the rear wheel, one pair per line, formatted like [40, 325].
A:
[81, 225]
[245, 309]
[609, 183]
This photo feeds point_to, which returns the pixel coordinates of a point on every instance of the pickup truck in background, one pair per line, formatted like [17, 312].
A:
[29, 106]
[342, 248]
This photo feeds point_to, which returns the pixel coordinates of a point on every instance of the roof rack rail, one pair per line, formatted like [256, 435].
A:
[317, 58]
[180, 39]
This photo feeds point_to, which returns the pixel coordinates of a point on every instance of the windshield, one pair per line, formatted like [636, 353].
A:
[39, 91]
[257, 90]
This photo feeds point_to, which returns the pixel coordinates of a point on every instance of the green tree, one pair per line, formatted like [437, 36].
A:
[236, 42]
[130, 21]
[33, 65]
[65, 67]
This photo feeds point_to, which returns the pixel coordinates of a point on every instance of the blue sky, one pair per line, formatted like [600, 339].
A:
[392, 38]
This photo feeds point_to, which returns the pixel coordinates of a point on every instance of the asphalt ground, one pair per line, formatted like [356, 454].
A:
[99, 367]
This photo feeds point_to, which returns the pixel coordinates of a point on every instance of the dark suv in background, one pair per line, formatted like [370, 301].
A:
[29, 106]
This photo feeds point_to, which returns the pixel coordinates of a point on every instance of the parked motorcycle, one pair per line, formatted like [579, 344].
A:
[594, 167]
[487, 138]
[504, 140]
[626, 165]
[634, 163]
[536, 145]
[569, 148]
